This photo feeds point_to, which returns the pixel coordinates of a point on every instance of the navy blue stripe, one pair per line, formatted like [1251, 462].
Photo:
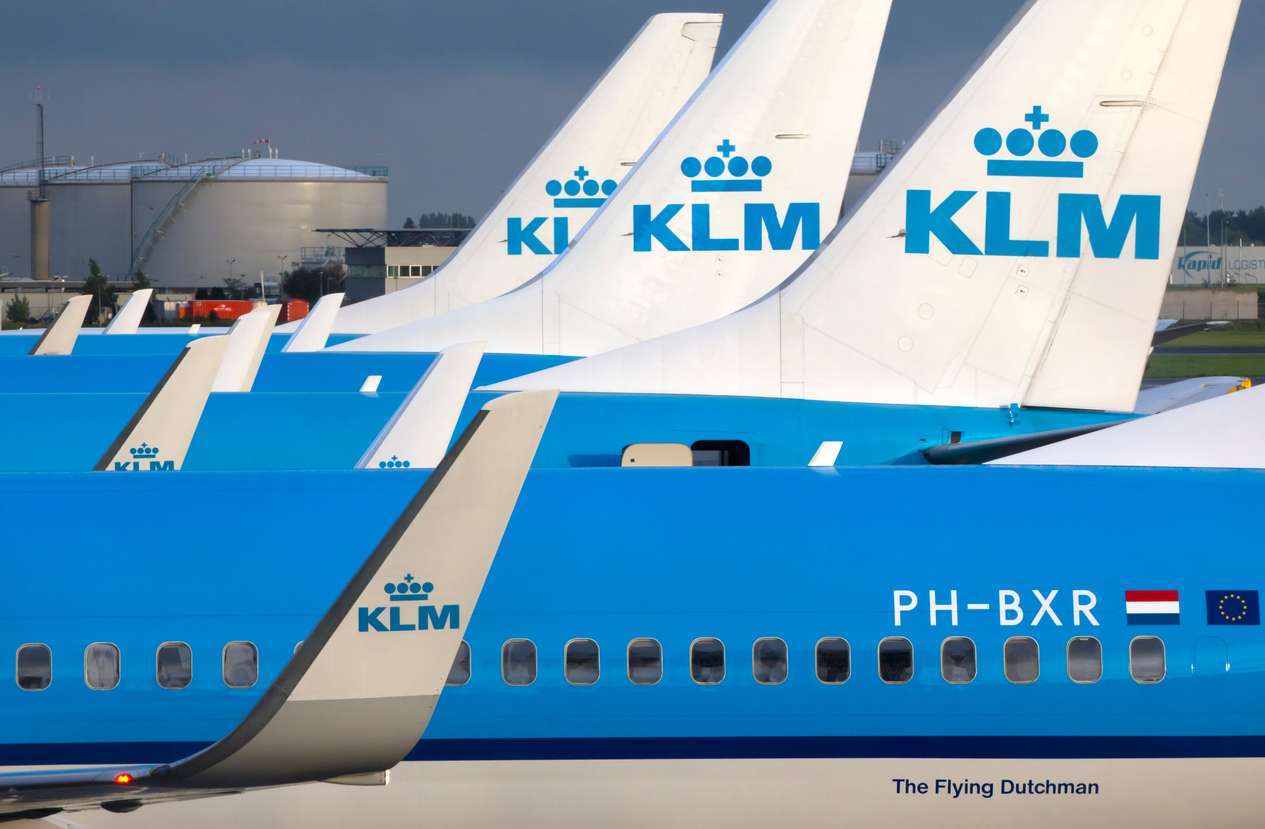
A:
[700, 748]
[60, 754]
[705, 748]
[1153, 618]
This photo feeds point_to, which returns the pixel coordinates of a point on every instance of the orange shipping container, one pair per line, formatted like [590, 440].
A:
[225, 309]
[295, 309]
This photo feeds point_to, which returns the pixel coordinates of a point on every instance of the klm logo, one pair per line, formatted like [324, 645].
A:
[394, 463]
[142, 455]
[1077, 212]
[409, 616]
[801, 219]
[580, 191]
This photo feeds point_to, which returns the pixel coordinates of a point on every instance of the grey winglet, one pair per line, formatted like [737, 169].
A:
[357, 696]
[59, 338]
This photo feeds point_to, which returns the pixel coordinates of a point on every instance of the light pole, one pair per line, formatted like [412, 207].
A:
[230, 267]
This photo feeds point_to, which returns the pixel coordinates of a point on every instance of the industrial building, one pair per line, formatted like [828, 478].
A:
[187, 225]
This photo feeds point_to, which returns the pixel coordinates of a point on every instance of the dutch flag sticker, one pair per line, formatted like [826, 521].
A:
[1151, 607]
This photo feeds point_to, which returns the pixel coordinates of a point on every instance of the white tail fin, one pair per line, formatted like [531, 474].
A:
[994, 262]
[247, 341]
[314, 329]
[129, 317]
[419, 432]
[728, 201]
[603, 136]
[1221, 432]
[159, 434]
[59, 338]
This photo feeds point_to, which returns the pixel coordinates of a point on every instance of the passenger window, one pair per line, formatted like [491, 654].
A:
[895, 660]
[459, 673]
[518, 662]
[1146, 659]
[583, 662]
[101, 666]
[35, 667]
[175, 665]
[241, 664]
[834, 661]
[720, 453]
[645, 662]
[1084, 659]
[1022, 659]
[957, 660]
[768, 661]
[707, 661]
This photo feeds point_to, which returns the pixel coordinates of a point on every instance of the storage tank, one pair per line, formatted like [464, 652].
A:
[190, 220]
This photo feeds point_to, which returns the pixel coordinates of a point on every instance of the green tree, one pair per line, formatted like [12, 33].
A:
[18, 311]
[103, 294]
[140, 282]
[236, 288]
[312, 283]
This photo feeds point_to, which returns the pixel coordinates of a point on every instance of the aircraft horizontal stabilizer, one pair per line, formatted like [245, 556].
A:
[982, 451]
[129, 317]
[59, 338]
[1221, 432]
[355, 698]
[417, 435]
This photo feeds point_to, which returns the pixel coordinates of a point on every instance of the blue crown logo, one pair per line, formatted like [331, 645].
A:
[581, 183]
[760, 166]
[144, 451]
[1051, 143]
[394, 463]
[408, 590]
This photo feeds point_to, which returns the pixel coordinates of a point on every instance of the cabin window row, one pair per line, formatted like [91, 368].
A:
[102, 666]
[1021, 661]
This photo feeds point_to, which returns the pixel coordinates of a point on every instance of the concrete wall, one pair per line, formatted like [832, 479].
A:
[250, 221]
[15, 231]
[1209, 304]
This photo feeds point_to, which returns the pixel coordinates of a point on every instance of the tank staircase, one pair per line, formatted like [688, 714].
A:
[205, 171]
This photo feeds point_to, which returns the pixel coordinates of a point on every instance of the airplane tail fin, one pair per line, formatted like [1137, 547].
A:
[314, 329]
[247, 341]
[417, 435]
[129, 317]
[355, 698]
[159, 434]
[603, 137]
[1015, 252]
[59, 338]
[732, 196]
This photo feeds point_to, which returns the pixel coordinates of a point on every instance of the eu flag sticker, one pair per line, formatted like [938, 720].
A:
[1233, 607]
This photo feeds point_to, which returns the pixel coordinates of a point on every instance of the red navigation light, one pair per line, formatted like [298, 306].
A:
[123, 779]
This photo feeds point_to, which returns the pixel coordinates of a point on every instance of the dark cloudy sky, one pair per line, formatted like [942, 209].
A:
[454, 97]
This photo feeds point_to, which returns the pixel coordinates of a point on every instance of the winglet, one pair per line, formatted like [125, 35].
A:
[248, 339]
[59, 338]
[127, 320]
[417, 435]
[313, 330]
[356, 697]
[159, 434]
